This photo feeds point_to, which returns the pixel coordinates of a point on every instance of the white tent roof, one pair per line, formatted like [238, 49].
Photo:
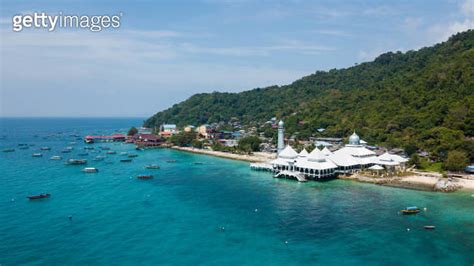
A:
[376, 167]
[303, 153]
[357, 151]
[326, 151]
[280, 161]
[342, 159]
[316, 156]
[288, 153]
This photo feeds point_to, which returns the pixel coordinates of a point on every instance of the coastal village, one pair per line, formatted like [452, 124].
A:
[316, 158]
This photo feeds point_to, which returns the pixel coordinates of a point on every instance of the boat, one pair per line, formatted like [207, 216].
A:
[88, 148]
[111, 152]
[76, 161]
[83, 154]
[69, 148]
[125, 160]
[45, 148]
[105, 148]
[124, 153]
[40, 196]
[170, 161]
[99, 158]
[56, 158]
[132, 155]
[24, 148]
[198, 163]
[65, 151]
[152, 166]
[410, 210]
[429, 227]
[90, 170]
[8, 150]
[145, 177]
[37, 155]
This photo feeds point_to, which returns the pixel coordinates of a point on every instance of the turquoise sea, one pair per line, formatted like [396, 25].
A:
[218, 212]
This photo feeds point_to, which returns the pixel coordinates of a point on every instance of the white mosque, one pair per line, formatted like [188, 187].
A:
[324, 163]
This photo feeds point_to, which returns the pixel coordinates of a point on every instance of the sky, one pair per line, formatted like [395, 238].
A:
[166, 51]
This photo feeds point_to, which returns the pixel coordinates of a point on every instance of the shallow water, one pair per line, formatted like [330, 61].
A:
[218, 212]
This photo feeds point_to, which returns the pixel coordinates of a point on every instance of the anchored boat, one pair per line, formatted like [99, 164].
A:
[76, 161]
[90, 170]
[40, 196]
[410, 210]
[145, 177]
[152, 166]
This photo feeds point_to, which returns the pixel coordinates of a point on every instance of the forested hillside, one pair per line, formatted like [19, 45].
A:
[419, 99]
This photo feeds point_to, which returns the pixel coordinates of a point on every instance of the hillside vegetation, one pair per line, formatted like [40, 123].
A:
[416, 100]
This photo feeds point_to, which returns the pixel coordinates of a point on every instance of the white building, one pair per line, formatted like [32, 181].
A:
[324, 163]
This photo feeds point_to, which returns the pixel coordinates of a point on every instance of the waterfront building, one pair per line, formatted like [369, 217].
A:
[167, 130]
[324, 163]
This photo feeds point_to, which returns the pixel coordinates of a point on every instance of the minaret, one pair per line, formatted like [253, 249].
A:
[281, 135]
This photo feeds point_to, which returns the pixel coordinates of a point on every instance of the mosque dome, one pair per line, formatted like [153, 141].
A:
[280, 124]
[354, 139]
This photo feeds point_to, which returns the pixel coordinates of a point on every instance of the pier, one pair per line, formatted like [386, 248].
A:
[291, 174]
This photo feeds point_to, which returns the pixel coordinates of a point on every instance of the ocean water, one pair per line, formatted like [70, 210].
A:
[217, 212]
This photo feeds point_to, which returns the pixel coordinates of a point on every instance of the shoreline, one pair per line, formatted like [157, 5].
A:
[417, 181]
[257, 157]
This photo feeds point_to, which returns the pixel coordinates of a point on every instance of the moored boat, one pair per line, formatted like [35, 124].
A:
[99, 158]
[66, 151]
[105, 148]
[170, 161]
[125, 160]
[410, 210]
[8, 150]
[132, 155]
[152, 166]
[90, 170]
[429, 227]
[40, 196]
[145, 177]
[124, 153]
[111, 152]
[76, 161]
[37, 155]
[56, 158]
[45, 148]
[83, 154]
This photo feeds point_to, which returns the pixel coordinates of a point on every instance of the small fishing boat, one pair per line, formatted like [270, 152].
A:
[76, 161]
[152, 166]
[145, 177]
[45, 148]
[170, 161]
[429, 227]
[37, 155]
[56, 158]
[132, 155]
[90, 170]
[111, 152]
[8, 150]
[410, 210]
[99, 158]
[125, 160]
[40, 196]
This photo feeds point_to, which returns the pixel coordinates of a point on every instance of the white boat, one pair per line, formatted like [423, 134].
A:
[56, 158]
[37, 155]
[90, 170]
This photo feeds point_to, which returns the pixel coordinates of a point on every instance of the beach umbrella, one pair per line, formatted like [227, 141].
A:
[376, 167]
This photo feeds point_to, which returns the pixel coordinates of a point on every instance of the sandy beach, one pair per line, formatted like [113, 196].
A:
[256, 157]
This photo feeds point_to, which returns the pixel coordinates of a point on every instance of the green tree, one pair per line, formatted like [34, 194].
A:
[132, 131]
[456, 161]
[249, 144]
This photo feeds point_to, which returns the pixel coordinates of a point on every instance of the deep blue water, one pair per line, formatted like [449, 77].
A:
[177, 218]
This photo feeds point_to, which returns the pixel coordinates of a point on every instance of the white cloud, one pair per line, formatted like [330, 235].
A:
[467, 8]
